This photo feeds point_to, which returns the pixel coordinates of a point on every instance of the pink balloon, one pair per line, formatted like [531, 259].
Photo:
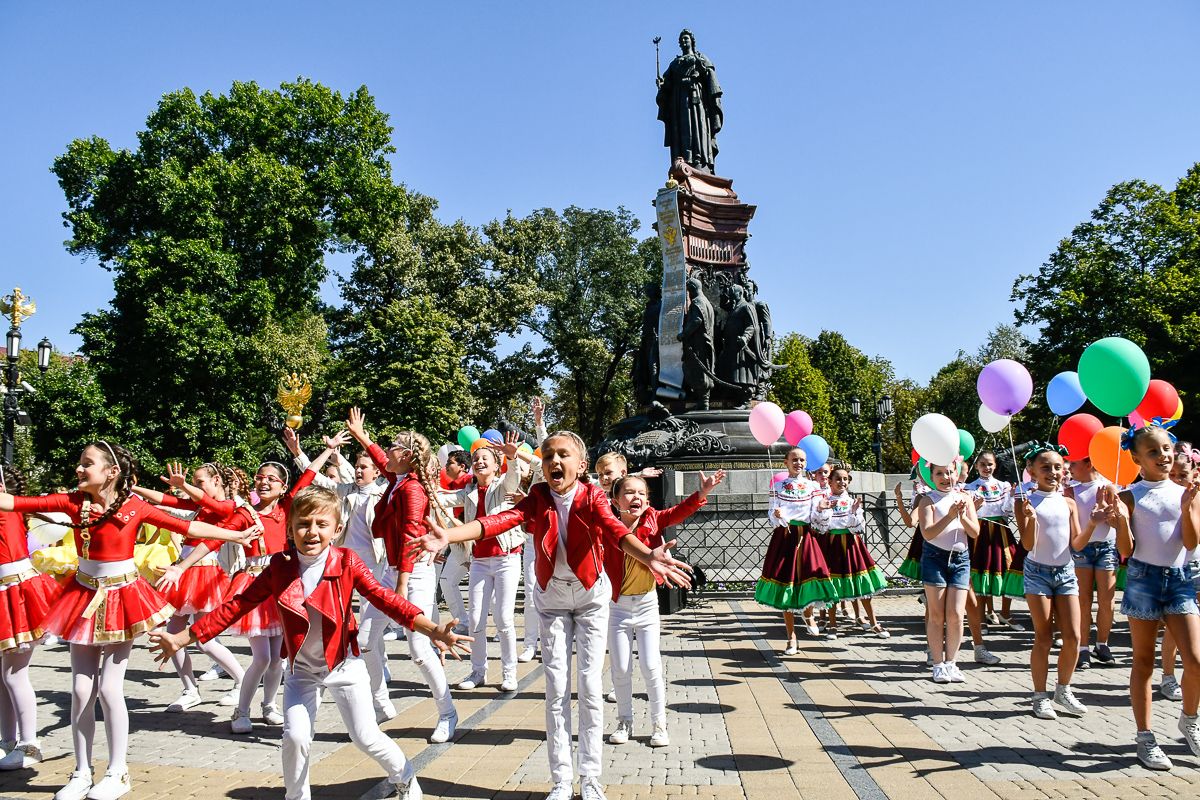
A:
[1135, 420]
[766, 423]
[778, 476]
[796, 426]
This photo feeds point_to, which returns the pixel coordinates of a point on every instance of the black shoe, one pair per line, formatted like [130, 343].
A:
[1085, 660]
[1104, 655]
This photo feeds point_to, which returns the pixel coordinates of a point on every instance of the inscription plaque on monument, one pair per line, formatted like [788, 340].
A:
[674, 294]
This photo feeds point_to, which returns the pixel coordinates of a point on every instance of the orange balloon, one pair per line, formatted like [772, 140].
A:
[478, 443]
[1109, 459]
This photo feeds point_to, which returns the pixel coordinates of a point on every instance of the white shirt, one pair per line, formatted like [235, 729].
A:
[311, 656]
[358, 508]
[994, 494]
[952, 537]
[1158, 523]
[562, 504]
[794, 498]
[1085, 502]
[1052, 547]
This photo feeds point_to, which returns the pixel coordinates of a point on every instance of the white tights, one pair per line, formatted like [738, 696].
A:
[212, 648]
[265, 665]
[18, 705]
[99, 671]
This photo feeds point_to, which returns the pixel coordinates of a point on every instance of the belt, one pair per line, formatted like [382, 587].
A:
[16, 571]
[102, 585]
[255, 569]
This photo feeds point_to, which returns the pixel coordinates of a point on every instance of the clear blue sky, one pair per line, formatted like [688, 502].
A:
[908, 160]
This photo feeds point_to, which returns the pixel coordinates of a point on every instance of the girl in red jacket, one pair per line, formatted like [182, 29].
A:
[311, 591]
[572, 525]
[107, 605]
[634, 610]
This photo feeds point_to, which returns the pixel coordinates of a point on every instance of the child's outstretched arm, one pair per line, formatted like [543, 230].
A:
[165, 644]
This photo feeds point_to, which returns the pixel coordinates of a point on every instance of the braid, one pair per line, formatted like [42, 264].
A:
[125, 479]
[421, 456]
[239, 483]
[13, 480]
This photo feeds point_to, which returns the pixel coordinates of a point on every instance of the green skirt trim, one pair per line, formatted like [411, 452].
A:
[1014, 584]
[989, 584]
[861, 584]
[911, 569]
[813, 593]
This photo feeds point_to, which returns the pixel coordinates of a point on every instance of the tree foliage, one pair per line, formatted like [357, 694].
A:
[800, 386]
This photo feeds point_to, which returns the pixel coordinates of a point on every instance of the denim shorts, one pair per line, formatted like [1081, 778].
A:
[945, 567]
[1151, 592]
[1096, 555]
[1048, 581]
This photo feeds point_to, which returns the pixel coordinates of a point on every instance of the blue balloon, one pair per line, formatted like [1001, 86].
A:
[494, 436]
[1064, 394]
[816, 451]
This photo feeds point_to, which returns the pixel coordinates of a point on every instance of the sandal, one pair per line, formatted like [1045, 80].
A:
[880, 631]
[791, 648]
[831, 632]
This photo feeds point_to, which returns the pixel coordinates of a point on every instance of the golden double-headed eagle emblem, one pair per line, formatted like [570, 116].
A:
[17, 306]
[294, 393]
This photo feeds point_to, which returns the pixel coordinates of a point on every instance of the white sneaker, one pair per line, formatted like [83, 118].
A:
[212, 674]
[1042, 707]
[1188, 726]
[621, 734]
[812, 628]
[1170, 688]
[189, 699]
[385, 711]
[508, 685]
[611, 697]
[985, 656]
[939, 674]
[111, 786]
[527, 655]
[50, 640]
[954, 673]
[660, 738]
[24, 756]
[791, 648]
[7, 744]
[271, 715]
[241, 723]
[77, 787]
[1150, 754]
[409, 790]
[563, 790]
[591, 789]
[473, 680]
[444, 729]
[232, 697]
[1065, 698]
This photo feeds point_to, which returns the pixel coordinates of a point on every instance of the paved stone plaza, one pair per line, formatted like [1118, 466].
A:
[853, 718]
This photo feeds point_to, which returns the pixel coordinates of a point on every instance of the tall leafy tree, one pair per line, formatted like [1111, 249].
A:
[851, 373]
[215, 228]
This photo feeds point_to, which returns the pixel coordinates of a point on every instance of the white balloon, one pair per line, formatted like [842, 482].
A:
[991, 421]
[935, 438]
[443, 454]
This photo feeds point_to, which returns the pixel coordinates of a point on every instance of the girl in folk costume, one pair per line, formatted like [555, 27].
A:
[107, 604]
[1183, 473]
[946, 518]
[495, 563]
[1158, 524]
[203, 585]
[992, 550]
[268, 521]
[26, 597]
[311, 589]
[911, 566]
[1095, 562]
[634, 611]
[794, 575]
[851, 568]
[573, 527]
[399, 518]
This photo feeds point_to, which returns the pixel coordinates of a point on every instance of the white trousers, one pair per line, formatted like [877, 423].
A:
[370, 635]
[493, 587]
[348, 686]
[453, 570]
[533, 627]
[570, 614]
[636, 616]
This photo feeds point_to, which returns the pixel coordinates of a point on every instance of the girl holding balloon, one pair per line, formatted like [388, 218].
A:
[1183, 472]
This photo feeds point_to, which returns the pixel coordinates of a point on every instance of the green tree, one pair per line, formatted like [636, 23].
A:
[215, 228]
[800, 386]
[68, 409]
[851, 373]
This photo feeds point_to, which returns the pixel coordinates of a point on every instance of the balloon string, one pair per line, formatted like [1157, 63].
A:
[1117, 469]
[1012, 451]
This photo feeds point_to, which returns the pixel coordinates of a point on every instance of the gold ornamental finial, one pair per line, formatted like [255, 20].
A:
[17, 306]
[294, 392]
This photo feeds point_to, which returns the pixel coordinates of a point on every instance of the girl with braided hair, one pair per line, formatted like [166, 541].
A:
[1048, 522]
[26, 597]
[107, 605]
[204, 585]
[412, 491]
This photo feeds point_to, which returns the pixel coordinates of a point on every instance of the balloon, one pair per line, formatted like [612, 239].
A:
[966, 443]
[992, 422]
[1178, 411]
[1135, 420]
[1114, 374]
[1076, 434]
[766, 423]
[1161, 400]
[1064, 395]
[480, 442]
[1005, 386]
[935, 438]
[915, 457]
[494, 436]
[524, 447]
[1109, 459]
[466, 435]
[777, 477]
[796, 426]
[923, 471]
[443, 454]
[816, 451]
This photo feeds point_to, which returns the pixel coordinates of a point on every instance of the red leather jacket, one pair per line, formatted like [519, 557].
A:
[591, 529]
[400, 516]
[649, 532]
[345, 573]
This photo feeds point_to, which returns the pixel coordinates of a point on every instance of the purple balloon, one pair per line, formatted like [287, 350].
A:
[1005, 386]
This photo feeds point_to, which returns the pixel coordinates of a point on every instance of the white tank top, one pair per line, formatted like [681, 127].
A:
[1157, 523]
[1053, 544]
[952, 537]
[1085, 501]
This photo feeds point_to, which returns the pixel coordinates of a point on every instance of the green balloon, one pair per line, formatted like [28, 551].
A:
[468, 434]
[966, 443]
[923, 471]
[1114, 374]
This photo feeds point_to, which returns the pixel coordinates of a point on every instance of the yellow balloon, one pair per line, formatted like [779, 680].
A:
[1178, 412]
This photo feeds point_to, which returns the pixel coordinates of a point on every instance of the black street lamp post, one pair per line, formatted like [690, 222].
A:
[883, 410]
[17, 307]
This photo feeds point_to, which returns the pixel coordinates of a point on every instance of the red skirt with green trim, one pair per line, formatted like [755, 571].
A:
[851, 567]
[911, 568]
[991, 557]
[1014, 579]
[794, 574]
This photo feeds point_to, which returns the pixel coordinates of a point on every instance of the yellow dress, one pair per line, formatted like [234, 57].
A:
[154, 552]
